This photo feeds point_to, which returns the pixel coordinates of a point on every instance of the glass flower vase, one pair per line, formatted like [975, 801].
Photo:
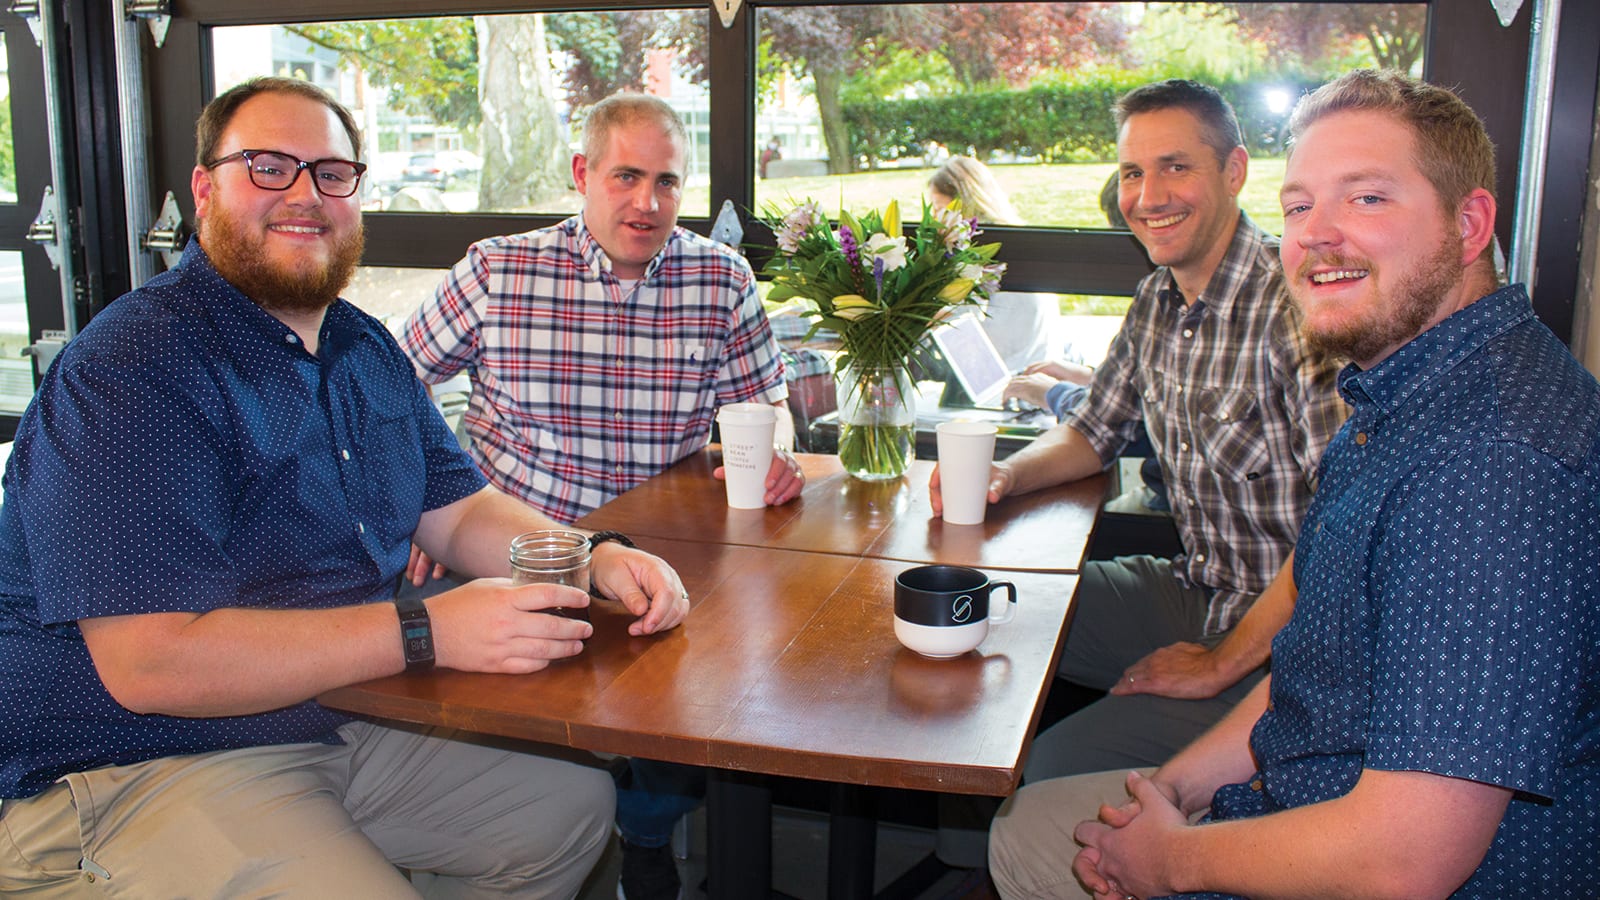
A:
[877, 421]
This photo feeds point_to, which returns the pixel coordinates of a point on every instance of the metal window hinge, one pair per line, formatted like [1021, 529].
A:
[29, 11]
[726, 10]
[167, 234]
[43, 229]
[157, 12]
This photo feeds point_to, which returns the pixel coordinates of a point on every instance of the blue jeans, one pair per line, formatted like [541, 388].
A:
[658, 795]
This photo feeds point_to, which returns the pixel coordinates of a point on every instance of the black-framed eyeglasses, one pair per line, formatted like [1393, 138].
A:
[274, 171]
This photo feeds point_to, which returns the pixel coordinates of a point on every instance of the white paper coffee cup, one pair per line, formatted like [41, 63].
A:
[747, 430]
[965, 451]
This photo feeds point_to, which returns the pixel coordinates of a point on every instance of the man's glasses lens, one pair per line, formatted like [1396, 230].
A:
[277, 171]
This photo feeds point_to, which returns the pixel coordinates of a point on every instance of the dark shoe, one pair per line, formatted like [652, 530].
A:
[648, 873]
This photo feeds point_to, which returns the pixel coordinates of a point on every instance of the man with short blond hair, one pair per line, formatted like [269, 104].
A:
[1431, 726]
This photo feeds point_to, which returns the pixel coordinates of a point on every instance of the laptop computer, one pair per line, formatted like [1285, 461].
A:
[977, 366]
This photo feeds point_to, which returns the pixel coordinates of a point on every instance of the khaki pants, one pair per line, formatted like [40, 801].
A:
[310, 820]
[1030, 844]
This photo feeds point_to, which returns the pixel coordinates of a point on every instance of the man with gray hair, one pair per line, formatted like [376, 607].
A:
[600, 348]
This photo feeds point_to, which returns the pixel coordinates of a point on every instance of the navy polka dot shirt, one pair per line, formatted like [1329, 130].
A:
[1449, 570]
[186, 453]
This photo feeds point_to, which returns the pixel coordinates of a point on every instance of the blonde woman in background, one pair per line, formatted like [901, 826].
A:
[1022, 325]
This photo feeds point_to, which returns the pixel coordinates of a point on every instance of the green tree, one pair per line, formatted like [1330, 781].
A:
[487, 75]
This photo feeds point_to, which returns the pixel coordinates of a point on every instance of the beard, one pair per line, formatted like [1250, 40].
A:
[239, 257]
[1395, 319]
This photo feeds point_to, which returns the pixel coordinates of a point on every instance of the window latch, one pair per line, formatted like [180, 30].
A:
[726, 10]
[42, 230]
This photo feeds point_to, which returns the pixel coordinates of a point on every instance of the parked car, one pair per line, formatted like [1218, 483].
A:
[444, 170]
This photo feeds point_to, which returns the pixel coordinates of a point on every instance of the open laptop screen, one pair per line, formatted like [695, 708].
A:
[973, 360]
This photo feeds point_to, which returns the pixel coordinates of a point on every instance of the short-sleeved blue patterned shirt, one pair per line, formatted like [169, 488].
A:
[185, 453]
[1449, 611]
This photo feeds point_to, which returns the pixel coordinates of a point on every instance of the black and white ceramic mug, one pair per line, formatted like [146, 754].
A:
[945, 611]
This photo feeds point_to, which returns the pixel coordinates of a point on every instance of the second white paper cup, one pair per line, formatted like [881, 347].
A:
[747, 430]
[965, 451]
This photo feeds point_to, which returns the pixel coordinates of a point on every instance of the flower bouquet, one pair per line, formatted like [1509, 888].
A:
[882, 291]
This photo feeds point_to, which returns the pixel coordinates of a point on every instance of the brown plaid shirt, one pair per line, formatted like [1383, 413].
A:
[1238, 408]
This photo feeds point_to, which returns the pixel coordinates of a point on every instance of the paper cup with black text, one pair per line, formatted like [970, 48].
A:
[747, 430]
[965, 451]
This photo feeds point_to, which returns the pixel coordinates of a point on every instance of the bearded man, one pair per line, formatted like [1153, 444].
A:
[1431, 726]
[206, 512]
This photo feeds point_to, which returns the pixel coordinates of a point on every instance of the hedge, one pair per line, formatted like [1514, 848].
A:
[1069, 121]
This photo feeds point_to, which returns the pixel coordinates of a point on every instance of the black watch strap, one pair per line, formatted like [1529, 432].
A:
[416, 633]
[600, 537]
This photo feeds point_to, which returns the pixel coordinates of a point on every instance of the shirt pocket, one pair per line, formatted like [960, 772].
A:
[1227, 426]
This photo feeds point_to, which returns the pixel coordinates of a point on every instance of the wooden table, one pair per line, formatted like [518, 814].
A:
[1046, 531]
[788, 663]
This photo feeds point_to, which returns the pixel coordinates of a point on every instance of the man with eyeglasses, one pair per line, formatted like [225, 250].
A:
[208, 507]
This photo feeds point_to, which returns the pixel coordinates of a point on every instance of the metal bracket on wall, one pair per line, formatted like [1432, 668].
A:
[43, 229]
[167, 235]
[29, 11]
[158, 13]
[726, 10]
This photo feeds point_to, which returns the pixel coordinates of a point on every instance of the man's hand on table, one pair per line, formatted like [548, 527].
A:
[999, 486]
[645, 584]
[784, 479]
[1183, 670]
[486, 626]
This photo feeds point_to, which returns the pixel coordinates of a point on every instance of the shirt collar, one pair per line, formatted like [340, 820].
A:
[594, 256]
[1431, 354]
[1233, 271]
[341, 325]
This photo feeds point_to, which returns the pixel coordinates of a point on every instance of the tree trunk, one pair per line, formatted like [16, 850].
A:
[527, 159]
[834, 132]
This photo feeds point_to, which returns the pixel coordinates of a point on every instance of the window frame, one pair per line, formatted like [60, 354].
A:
[1466, 48]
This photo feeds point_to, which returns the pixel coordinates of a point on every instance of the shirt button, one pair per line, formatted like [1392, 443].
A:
[1188, 332]
[1361, 438]
[1184, 446]
[1180, 388]
[619, 415]
[1199, 557]
[291, 339]
[344, 454]
[361, 528]
[1255, 785]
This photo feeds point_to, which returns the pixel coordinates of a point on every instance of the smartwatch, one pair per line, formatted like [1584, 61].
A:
[416, 633]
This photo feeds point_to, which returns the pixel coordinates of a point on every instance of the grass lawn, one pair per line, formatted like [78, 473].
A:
[1046, 195]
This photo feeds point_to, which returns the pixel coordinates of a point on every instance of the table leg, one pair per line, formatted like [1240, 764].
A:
[852, 843]
[739, 834]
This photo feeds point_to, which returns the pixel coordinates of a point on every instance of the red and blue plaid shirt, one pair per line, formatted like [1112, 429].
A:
[584, 385]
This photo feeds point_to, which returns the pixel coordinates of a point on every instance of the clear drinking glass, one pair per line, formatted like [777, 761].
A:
[552, 557]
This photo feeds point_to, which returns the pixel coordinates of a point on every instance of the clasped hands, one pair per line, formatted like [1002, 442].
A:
[1126, 850]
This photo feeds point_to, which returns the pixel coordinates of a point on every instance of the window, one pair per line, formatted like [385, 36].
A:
[470, 114]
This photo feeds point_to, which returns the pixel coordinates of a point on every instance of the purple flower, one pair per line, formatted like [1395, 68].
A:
[877, 273]
[847, 243]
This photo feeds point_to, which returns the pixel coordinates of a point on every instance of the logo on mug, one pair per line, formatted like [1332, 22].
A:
[961, 609]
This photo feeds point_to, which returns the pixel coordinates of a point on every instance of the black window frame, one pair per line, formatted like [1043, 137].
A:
[1467, 49]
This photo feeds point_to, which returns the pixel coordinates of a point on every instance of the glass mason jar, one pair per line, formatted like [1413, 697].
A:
[877, 421]
[552, 557]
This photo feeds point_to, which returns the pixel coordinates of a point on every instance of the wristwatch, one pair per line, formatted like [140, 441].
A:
[416, 633]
